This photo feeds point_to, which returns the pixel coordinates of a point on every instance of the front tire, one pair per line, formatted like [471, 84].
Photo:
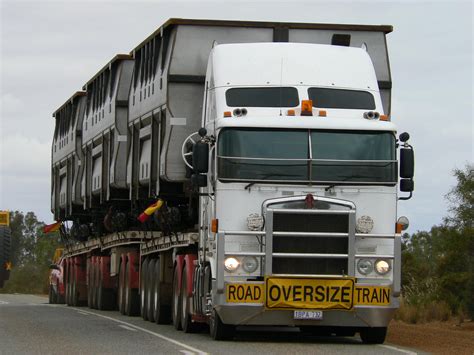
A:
[374, 335]
[176, 303]
[219, 330]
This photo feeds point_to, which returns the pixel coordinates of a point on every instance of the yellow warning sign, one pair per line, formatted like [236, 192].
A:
[4, 218]
[372, 295]
[244, 293]
[309, 293]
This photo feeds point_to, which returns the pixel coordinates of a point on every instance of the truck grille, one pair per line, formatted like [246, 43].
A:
[304, 222]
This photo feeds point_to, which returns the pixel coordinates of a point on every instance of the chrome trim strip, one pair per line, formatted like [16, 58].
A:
[268, 242]
[374, 256]
[244, 253]
[397, 265]
[310, 255]
[301, 211]
[351, 244]
[220, 240]
[311, 234]
[269, 202]
[381, 235]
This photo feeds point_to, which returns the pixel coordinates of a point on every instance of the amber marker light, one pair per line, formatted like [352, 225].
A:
[214, 225]
[322, 113]
[307, 108]
[227, 114]
[383, 118]
[290, 113]
[398, 228]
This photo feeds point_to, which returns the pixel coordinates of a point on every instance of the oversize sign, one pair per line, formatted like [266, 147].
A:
[309, 293]
[245, 293]
[372, 295]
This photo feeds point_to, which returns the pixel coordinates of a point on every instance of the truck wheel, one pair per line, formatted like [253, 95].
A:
[121, 289]
[50, 295]
[374, 335]
[176, 304]
[143, 290]
[105, 296]
[68, 285]
[94, 284]
[162, 311]
[90, 283]
[131, 301]
[186, 322]
[150, 285]
[219, 330]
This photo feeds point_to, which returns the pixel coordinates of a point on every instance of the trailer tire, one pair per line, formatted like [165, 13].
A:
[186, 318]
[95, 269]
[176, 302]
[375, 335]
[51, 297]
[143, 289]
[89, 283]
[74, 289]
[121, 289]
[68, 284]
[219, 330]
[105, 296]
[131, 300]
[161, 311]
[150, 281]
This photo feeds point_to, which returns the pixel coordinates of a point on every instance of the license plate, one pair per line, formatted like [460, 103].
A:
[315, 315]
[309, 293]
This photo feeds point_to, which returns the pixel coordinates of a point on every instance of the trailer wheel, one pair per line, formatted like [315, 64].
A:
[68, 284]
[375, 335]
[219, 330]
[94, 291]
[121, 289]
[131, 301]
[105, 296]
[150, 281]
[74, 288]
[97, 284]
[176, 304]
[143, 289]
[89, 283]
[186, 322]
[162, 311]
[51, 298]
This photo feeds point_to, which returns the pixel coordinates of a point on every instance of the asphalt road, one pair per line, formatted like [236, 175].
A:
[29, 325]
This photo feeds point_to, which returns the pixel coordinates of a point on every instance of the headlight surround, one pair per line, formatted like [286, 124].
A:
[382, 267]
[365, 266]
[364, 224]
[231, 264]
[249, 264]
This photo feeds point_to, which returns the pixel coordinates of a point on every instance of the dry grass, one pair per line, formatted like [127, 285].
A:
[422, 313]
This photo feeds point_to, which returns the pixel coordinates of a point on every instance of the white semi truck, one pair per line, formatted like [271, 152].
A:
[237, 173]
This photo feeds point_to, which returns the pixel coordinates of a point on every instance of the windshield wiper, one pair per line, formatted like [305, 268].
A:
[264, 177]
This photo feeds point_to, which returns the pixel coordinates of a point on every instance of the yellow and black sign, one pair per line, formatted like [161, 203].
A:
[4, 218]
[372, 295]
[309, 293]
[245, 293]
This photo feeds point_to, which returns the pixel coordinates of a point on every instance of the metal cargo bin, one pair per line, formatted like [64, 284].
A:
[105, 135]
[67, 157]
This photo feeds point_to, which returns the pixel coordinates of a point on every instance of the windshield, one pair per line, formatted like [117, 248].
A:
[262, 97]
[306, 156]
[341, 99]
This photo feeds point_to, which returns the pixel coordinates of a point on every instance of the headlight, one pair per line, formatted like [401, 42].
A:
[254, 222]
[231, 264]
[382, 267]
[249, 264]
[365, 266]
[364, 224]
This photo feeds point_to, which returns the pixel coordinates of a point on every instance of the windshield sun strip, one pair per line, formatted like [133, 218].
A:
[315, 182]
[309, 159]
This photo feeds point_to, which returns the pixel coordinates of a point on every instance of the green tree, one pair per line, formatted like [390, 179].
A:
[32, 251]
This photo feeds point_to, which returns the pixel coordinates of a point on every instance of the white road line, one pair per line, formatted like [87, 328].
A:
[127, 327]
[3, 302]
[186, 352]
[147, 331]
[83, 313]
[397, 349]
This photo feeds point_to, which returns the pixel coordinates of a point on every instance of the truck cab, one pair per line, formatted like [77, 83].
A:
[302, 157]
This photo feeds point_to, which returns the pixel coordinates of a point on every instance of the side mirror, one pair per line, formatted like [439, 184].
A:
[407, 185]
[199, 180]
[54, 267]
[201, 158]
[407, 163]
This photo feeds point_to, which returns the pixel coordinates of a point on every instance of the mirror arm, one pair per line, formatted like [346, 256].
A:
[407, 197]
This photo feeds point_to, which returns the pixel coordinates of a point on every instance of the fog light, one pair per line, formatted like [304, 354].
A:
[231, 264]
[254, 222]
[365, 266]
[364, 224]
[249, 264]
[382, 267]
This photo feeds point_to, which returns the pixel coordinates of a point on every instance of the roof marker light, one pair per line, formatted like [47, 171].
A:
[322, 113]
[290, 113]
[307, 108]
[383, 117]
[227, 114]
